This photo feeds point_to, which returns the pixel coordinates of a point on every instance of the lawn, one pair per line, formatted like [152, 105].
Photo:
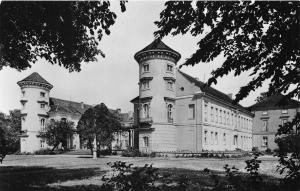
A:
[81, 172]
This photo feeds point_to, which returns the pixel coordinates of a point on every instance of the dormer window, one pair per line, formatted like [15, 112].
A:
[169, 68]
[42, 94]
[146, 68]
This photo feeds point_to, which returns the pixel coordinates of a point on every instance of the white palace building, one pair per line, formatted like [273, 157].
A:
[173, 112]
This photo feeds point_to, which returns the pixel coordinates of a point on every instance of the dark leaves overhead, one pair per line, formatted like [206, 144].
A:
[65, 33]
[260, 37]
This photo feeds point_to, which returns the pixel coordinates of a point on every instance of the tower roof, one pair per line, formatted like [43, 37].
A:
[158, 45]
[35, 78]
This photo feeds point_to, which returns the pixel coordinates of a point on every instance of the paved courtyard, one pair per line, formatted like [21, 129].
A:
[55, 171]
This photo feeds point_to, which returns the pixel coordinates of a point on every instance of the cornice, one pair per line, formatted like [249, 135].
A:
[43, 115]
[153, 54]
[24, 84]
[169, 78]
[42, 102]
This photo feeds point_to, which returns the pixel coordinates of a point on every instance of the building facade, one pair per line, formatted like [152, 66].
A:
[38, 108]
[176, 112]
[269, 114]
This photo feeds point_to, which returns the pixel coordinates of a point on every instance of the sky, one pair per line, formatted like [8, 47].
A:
[113, 80]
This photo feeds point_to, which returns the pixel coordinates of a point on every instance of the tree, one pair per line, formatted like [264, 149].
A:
[261, 37]
[64, 33]
[262, 97]
[288, 141]
[10, 127]
[97, 125]
[57, 132]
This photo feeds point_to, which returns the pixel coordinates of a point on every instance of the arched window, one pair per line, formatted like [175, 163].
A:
[146, 110]
[42, 123]
[170, 112]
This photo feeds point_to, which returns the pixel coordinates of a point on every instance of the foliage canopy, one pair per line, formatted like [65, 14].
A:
[64, 33]
[260, 37]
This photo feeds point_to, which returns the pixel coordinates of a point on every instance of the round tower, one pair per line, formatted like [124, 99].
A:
[157, 77]
[34, 111]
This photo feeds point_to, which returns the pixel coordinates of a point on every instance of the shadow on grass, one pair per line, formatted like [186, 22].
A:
[200, 180]
[15, 178]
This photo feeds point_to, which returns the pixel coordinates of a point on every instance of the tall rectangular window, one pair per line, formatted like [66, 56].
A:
[216, 115]
[216, 138]
[265, 141]
[211, 138]
[224, 138]
[211, 114]
[284, 121]
[146, 141]
[42, 121]
[220, 116]
[205, 112]
[42, 105]
[23, 93]
[205, 137]
[265, 125]
[146, 68]
[145, 85]
[191, 112]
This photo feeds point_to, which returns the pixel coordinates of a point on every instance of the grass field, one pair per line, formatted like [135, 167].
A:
[81, 172]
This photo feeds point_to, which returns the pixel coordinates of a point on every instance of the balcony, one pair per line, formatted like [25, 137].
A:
[146, 120]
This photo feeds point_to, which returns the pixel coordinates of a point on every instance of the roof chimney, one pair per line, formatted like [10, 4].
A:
[82, 105]
[230, 95]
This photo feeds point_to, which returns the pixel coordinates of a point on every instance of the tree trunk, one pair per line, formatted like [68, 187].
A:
[95, 148]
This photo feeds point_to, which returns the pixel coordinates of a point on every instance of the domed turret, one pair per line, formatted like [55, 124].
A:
[35, 106]
[157, 77]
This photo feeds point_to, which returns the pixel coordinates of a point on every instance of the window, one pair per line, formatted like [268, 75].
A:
[205, 112]
[224, 138]
[23, 119]
[170, 85]
[212, 114]
[169, 68]
[23, 93]
[228, 118]
[146, 67]
[216, 115]
[224, 118]
[191, 112]
[205, 137]
[145, 85]
[146, 110]
[265, 125]
[220, 116]
[284, 121]
[284, 111]
[42, 94]
[42, 121]
[235, 139]
[170, 113]
[212, 138]
[265, 142]
[42, 143]
[146, 141]
[23, 104]
[216, 138]
[265, 112]
[42, 105]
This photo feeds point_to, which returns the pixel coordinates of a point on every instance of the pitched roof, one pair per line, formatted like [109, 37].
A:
[35, 77]
[273, 103]
[67, 107]
[157, 44]
[213, 92]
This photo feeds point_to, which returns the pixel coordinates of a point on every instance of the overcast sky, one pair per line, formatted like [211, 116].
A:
[113, 80]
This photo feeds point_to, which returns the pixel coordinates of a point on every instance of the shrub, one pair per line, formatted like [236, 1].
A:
[46, 151]
[125, 177]
[268, 151]
[131, 152]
